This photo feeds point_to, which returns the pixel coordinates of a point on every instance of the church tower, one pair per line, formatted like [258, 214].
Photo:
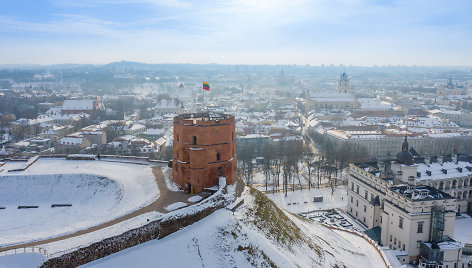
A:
[343, 83]
[307, 101]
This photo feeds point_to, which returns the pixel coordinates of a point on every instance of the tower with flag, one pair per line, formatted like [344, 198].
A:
[206, 86]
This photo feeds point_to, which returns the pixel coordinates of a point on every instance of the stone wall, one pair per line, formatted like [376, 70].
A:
[153, 230]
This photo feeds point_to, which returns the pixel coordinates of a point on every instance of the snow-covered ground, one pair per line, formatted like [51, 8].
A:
[462, 229]
[98, 192]
[360, 246]
[302, 179]
[302, 200]
[336, 218]
[175, 206]
[258, 234]
[171, 185]
[22, 260]
[195, 198]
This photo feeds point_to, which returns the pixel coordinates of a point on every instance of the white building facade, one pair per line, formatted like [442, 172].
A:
[414, 216]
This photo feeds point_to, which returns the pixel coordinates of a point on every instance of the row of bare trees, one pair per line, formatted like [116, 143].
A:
[283, 164]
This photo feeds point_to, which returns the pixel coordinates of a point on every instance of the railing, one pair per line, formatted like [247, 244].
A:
[122, 157]
[39, 250]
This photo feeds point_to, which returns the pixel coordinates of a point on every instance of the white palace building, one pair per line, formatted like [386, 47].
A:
[411, 205]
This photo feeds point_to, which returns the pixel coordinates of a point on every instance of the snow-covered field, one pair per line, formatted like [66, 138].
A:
[258, 234]
[302, 200]
[98, 192]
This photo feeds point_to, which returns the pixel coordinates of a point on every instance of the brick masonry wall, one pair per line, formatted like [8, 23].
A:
[197, 163]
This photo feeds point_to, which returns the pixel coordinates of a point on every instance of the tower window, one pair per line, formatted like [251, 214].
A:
[218, 156]
[194, 139]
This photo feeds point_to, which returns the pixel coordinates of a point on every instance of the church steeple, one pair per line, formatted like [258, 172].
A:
[343, 83]
[405, 145]
[404, 157]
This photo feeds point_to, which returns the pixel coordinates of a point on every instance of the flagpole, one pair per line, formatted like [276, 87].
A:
[204, 97]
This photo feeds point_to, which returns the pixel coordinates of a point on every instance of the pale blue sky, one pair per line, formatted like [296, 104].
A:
[413, 32]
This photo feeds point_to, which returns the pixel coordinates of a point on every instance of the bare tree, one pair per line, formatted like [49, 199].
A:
[166, 153]
[246, 156]
[268, 154]
[329, 171]
[287, 171]
[115, 130]
[276, 171]
[319, 168]
[309, 163]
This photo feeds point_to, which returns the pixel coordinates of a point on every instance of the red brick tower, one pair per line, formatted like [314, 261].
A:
[204, 149]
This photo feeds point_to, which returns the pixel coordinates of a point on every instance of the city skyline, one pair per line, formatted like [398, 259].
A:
[361, 33]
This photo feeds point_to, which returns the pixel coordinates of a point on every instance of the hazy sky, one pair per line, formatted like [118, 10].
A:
[411, 32]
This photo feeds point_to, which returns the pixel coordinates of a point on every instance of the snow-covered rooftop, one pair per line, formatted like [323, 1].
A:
[86, 105]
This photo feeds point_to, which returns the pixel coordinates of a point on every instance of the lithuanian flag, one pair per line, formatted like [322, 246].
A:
[206, 86]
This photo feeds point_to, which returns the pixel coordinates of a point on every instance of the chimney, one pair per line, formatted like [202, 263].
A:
[381, 166]
[427, 160]
[454, 158]
[411, 187]
[440, 159]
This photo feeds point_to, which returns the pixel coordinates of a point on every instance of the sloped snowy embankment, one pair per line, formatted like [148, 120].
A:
[258, 234]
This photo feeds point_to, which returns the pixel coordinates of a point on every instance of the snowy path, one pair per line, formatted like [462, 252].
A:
[361, 246]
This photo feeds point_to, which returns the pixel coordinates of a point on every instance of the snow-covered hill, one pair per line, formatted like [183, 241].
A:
[258, 234]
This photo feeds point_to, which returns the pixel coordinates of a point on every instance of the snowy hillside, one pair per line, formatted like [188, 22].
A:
[258, 234]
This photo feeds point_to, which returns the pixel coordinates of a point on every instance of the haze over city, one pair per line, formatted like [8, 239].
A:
[245, 133]
[362, 33]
